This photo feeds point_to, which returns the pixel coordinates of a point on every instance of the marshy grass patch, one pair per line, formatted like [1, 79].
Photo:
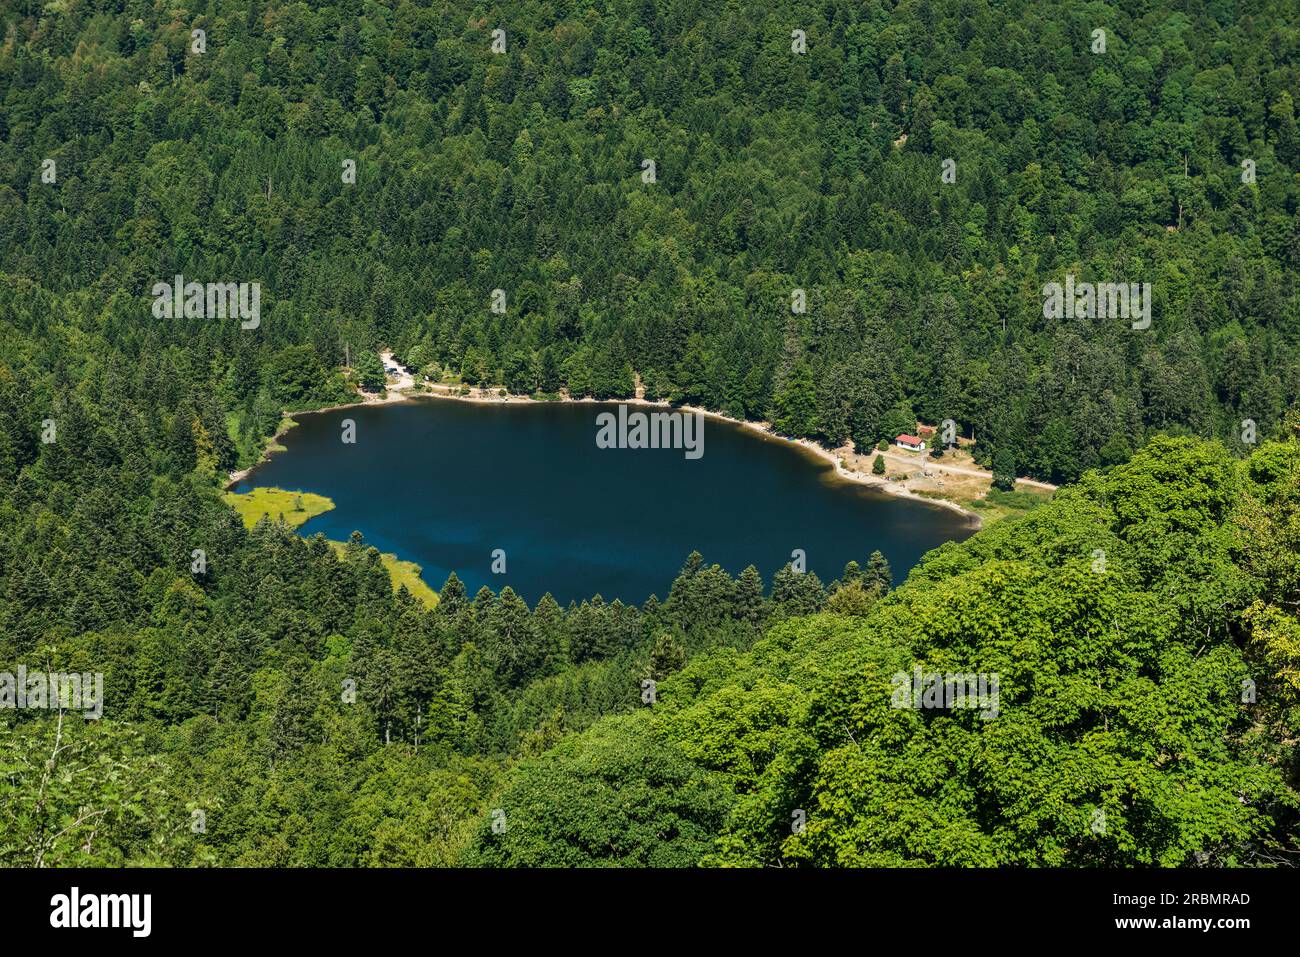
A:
[293, 508]
[401, 572]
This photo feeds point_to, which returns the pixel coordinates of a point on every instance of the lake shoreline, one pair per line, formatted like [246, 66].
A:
[289, 419]
[488, 397]
[271, 446]
[764, 429]
[757, 479]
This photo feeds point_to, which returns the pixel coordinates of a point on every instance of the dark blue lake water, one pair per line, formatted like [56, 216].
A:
[445, 483]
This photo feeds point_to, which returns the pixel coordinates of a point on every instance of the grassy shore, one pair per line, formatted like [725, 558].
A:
[295, 508]
[292, 508]
[401, 572]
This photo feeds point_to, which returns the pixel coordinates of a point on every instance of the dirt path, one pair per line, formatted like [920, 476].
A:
[930, 464]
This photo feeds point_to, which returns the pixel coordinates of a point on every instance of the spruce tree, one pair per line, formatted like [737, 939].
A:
[878, 574]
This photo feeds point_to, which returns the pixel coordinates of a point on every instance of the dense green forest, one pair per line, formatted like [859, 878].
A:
[282, 706]
[774, 171]
[486, 733]
[1122, 703]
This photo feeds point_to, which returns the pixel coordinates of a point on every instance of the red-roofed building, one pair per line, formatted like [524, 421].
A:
[910, 442]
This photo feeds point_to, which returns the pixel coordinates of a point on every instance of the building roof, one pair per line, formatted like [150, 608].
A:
[909, 439]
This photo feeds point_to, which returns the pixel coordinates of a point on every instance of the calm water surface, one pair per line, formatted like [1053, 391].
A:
[445, 483]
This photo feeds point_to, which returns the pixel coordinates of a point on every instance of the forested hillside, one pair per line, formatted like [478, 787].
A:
[1123, 736]
[773, 171]
[278, 704]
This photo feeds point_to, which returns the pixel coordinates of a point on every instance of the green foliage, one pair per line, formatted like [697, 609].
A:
[1120, 736]
[612, 796]
[795, 411]
[370, 371]
[878, 575]
[298, 376]
[520, 172]
[666, 657]
[1121, 689]
[87, 793]
[854, 598]
[1004, 470]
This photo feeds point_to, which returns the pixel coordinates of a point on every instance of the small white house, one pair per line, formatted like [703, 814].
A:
[910, 442]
